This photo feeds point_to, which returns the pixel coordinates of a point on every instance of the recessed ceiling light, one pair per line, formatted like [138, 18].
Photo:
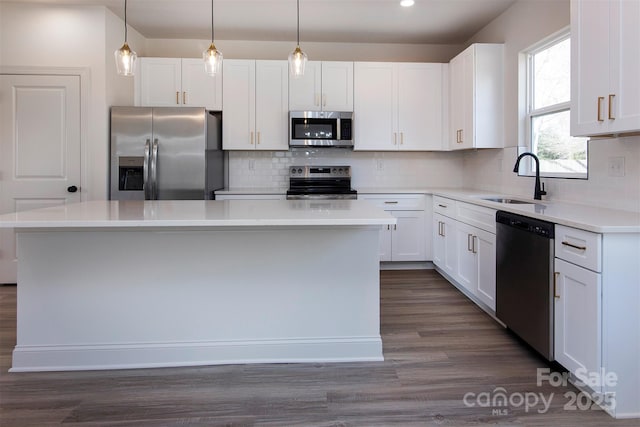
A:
[407, 3]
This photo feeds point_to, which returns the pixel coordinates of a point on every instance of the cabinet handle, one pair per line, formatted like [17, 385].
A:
[388, 227]
[555, 285]
[395, 226]
[444, 230]
[443, 206]
[571, 245]
[611, 116]
[178, 98]
[600, 99]
[470, 242]
[390, 203]
[184, 98]
[474, 245]
[401, 138]
[258, 138]
[316, 101]
[324, 100]
[461, 136]
[251, 138]
[395, 138]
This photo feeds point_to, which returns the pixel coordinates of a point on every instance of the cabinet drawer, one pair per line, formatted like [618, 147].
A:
[444, 206]
[396, 202]
[478, 216]
[579, 247]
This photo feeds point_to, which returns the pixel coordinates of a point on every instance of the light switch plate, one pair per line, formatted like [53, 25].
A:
[615, 166]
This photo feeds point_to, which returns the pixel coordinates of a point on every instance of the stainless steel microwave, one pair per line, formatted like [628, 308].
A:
[320, 129]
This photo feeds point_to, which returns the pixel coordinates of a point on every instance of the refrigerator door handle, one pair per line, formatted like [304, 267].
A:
[154, 170]
[146, 184]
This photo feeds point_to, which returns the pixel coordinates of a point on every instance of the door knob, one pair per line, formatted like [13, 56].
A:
[72, 189]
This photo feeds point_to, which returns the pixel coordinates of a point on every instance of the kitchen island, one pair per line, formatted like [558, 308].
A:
[111, 285]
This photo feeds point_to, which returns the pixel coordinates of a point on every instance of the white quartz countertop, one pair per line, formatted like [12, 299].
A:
[585, 217]
[200, 213]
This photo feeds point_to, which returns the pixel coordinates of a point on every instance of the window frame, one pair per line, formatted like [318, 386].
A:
[528, 167]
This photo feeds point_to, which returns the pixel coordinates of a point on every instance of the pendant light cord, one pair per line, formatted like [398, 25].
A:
[211, 21]
[125, 21]
[298, 10]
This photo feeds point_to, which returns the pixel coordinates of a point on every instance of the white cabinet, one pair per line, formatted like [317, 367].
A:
[325, 86]
[407, 240]
[597, 315]
[445, 254]
[399, 106]
[176, 82]
[464, 247]
[578, 317]
[255, 105]
[476, 97]
[260, 196]
[605, 65]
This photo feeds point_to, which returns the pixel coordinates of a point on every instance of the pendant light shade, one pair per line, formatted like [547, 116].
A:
[297, 58]
[212, 56]
[125, 57]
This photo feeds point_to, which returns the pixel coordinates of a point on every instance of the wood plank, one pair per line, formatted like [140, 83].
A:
[438, 346]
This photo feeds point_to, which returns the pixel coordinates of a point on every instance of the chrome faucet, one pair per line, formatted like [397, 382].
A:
[537, 191]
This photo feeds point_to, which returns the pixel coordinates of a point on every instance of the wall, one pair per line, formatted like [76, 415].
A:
[369, 169]
[316, 51]
[519, 27]
[47, 36]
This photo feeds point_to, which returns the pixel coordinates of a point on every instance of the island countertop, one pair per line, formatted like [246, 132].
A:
[200, 213]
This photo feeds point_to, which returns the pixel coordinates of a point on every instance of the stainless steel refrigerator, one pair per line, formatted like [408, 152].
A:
[165, 153]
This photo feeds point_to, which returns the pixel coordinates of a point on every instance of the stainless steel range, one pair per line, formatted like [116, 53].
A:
[320, 182]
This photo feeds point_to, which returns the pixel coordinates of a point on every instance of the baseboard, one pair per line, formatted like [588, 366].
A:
[155, 355]
[406, 265]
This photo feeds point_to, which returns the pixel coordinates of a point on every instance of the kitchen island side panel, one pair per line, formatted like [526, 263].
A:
[130, 299]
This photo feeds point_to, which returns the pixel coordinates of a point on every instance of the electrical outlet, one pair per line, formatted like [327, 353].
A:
[615, 166]
[252, 164]
[379, 164]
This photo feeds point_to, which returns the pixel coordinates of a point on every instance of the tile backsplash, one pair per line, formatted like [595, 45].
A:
[269, 169]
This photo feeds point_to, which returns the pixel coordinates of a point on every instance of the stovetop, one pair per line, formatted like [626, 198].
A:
[320, 182]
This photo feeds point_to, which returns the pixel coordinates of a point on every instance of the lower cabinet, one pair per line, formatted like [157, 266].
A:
[445, 253]
[464, 247]
[476, 254]
[407, 240]
[578, 316]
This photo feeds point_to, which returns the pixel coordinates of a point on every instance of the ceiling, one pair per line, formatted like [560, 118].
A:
[355, 21]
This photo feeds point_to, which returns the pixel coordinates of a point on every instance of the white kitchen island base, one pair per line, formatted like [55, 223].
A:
[114, 298]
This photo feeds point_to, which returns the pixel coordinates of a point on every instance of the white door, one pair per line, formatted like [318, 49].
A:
[272, 105]
[420, 106]
[578, 318]
[200, 89]
[160, 82]
[467, 266]
[39, 149]
[337, 86]
[305, 91]
[239, 104]
[375, 101]
[485, 246]
[407, 241]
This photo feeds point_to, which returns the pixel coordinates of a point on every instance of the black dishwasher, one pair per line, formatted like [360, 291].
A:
[524, 278]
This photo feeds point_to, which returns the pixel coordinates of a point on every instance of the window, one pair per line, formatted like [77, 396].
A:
[548, 111]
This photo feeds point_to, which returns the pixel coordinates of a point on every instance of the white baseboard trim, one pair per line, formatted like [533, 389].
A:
[406, 265]
[155, 355]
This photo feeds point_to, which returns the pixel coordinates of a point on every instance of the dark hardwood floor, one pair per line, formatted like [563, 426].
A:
[438, 348]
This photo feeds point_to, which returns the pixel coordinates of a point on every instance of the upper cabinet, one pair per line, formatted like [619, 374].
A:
[325, 86]
[399, 106]
[255, 105]
[176, 82]
[605, 65]
[476, 97]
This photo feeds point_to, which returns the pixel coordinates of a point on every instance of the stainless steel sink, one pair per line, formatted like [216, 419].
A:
[505, 200]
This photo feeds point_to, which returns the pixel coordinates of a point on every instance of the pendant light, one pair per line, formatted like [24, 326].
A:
[297, 58]
[125, 57]
[212, 56]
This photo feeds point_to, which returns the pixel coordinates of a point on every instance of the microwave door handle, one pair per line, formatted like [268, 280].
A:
[146, 184]
[154, 170]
